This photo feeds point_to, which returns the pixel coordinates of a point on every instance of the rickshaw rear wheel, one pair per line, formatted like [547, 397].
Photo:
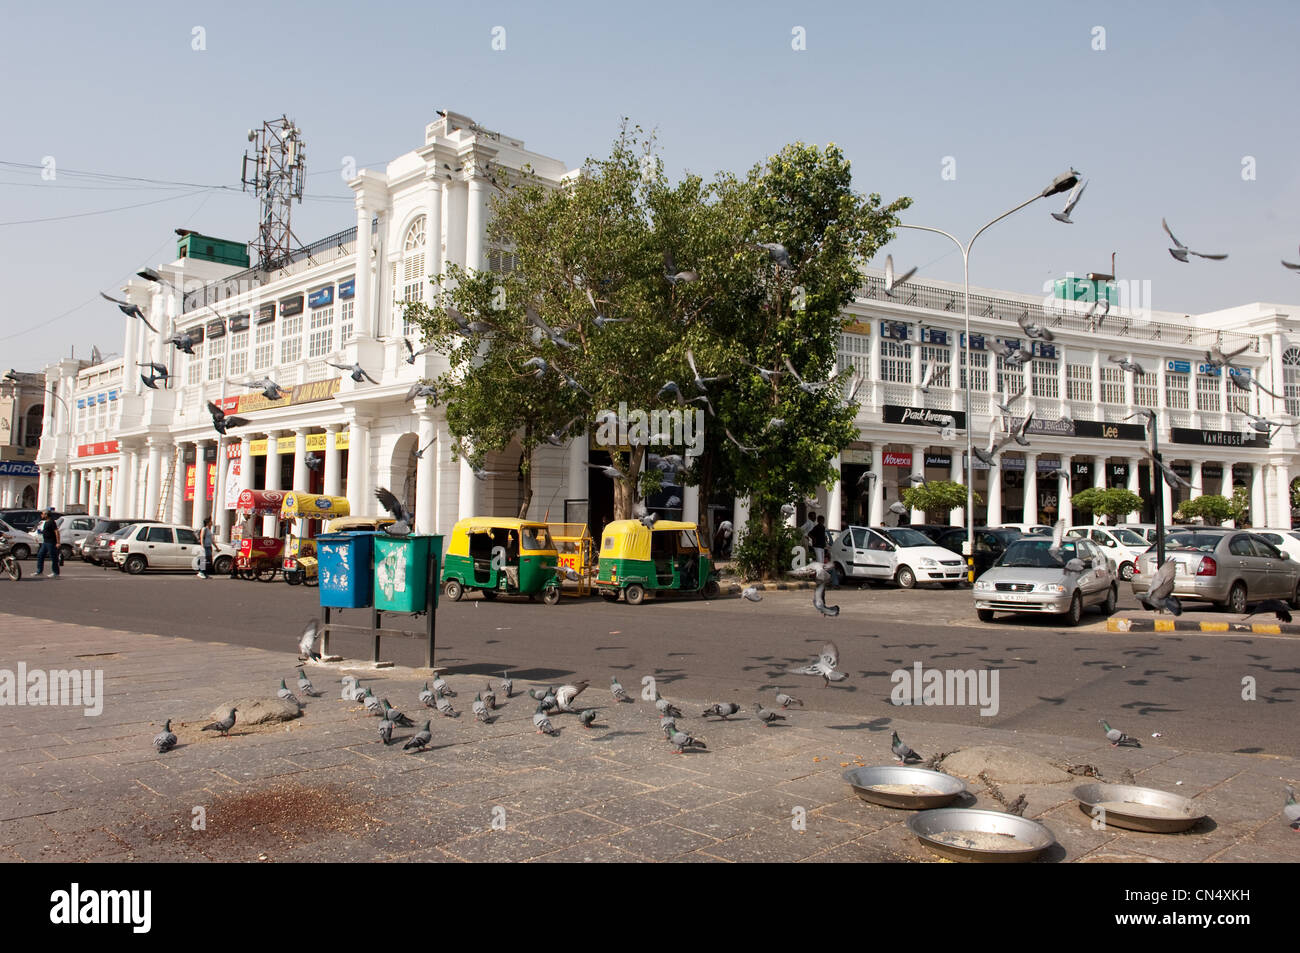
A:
[634, 594]
[550, 595]
[453, 590]
[265, 575]
[711, 589]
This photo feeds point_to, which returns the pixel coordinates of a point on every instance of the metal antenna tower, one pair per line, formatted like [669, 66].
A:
[276, 172]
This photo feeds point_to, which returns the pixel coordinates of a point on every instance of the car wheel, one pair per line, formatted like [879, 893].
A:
[711, 589]
[1126, 571]
[20, 551]
[453, 590]
[1112, 601]
[1075, 613]
[1237, 598]
[222, 565]
[905, 578]
[634, 594]
[134, 565]
[986, 615]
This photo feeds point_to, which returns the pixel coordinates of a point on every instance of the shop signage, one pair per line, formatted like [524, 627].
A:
[1083, 469]
[266, 313]
[934, 336]
[894, 330]
[1182, 468]
[855, 456]
[921, 416]
[938, 459]
[195, 334]
[1118, 471]
[96, 449]
[1044, 350]
[347, 289]
[1212, 470]
[298, 394]
[1218, 438]
[1179, 367]
[238, 322]
[1109, 431]
[215, 329]
[1056, 428]
[321, 297]
[18, 468]
[892, 459]
[1049, 464]
[976, 341]
[290, 306]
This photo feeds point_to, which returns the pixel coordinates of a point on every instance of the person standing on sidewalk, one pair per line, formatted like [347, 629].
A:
[49, 545]
[205, 540]
[818, 539]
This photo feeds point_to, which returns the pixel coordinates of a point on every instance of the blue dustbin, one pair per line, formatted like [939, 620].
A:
[345, 569]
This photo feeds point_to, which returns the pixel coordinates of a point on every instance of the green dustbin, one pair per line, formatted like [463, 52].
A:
[402, 572]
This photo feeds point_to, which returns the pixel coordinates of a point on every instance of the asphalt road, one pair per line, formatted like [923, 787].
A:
[1186, 686]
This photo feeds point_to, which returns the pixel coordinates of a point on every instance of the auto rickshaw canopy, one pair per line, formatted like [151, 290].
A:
[310, 506]
[528, 530]
[630, 539]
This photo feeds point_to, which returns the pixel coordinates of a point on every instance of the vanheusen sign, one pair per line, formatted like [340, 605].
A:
[1218, 438]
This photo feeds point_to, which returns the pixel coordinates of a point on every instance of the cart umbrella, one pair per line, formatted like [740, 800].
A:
[310, 506]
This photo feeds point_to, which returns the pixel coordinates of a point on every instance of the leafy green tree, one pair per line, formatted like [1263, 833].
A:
[937, 496]
[1239, 506]
[1212, 508]
[1114, 504]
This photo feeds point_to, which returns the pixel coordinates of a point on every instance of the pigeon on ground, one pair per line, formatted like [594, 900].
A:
[822, 577]
[440, 686]
[1277, 606]
[667, 724]
[1181, 251]
[405, 520]
[355, 371]
[617, 690]
[1159, 596]
[1291, 810]
[395, 716]
[723, 710]
[306, 687]
[1071, 201]
[307, 642]
[542, 723]
[892, 281]
[766, 716]
[420, 740]
[506, 685]
[680, 740]
[1117, 738]
[665, 707]
[785, 701]
[586, 717]
[224, 725]
[751, 593]
[902, 752]
[373, 705]
[490, 697]
[567, 693]
[284, 693]
[479, 708]
[824, 666]
[358, 693]
[386, 731]
[1017, 807]
[444, 706]
[426, 696]
[164, 741]
[130, 310]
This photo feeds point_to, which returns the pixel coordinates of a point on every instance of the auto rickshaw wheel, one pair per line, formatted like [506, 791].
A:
[634, 594]
[293, 577]
[711, 589]
[453, 590]
[551, 595]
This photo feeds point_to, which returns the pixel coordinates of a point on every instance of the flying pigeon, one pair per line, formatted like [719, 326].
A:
[741, 446]
[567, 693]
[1277, 606]
[1181, 251]
[1218, 357]
[1118, 738]
[697, 380]
[307, 641]
[182, 342]
[386, 732]
[1075, 194]
[1007, 401]
[421, 451]
[538, 366]
[157, 372]
[927, 378]
[1097, 316]
[680, 740]
[405, 519]
[355, 371]
[284, 693]
[305, 686]
[723, 710]
[164, 741]
[542, 723]
[412, 353]
[420, 389]
[618, 691]
[420, 740]
[130, 310]
[892, 282]
[824, 665]
[1133, 367]
[221, 422]
[1159, 595]
[538, 321]
[1172, 478]
[269, 388]
[395, 716]
[479, 708]
[785, 701]
[767, 717]
[674, 276]
[777, 253]
[224, 725]
[1034, 330]
[902, 752]
[808, 387]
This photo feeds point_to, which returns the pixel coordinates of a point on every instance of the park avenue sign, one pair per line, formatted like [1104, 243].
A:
[921, 416]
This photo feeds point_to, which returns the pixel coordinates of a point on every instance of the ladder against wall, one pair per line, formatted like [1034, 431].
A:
[165, 488]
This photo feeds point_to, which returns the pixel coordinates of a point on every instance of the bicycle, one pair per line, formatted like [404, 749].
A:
[8, 565]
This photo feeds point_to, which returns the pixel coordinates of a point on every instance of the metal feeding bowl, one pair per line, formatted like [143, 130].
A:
[912, 789]
[1139, 809]
[965, 834]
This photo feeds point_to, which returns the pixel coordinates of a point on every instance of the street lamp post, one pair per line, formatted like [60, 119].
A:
[1062, 183]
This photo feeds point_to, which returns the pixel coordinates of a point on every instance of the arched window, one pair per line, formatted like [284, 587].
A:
[1291, 379]
[408, 274]
[35, 423]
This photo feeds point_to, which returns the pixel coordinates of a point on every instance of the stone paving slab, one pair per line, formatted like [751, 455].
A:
[324, 787]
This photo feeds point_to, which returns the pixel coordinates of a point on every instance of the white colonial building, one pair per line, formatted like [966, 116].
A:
[124, 449]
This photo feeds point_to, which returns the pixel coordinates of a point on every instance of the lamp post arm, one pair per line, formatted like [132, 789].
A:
[1000, 218]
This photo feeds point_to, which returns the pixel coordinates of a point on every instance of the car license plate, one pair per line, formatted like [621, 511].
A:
[1013, 596]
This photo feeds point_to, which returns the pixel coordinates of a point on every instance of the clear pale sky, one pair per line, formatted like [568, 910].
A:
[1160, 123]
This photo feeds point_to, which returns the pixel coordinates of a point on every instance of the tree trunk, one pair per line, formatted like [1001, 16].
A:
[768, 526]
[625, 489]
[526, 470]
[703, 525]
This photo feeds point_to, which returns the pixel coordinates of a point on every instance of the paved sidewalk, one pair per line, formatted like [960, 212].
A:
[323, 787]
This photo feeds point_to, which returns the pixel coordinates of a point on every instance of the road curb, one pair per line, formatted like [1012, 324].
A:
[735, 588]
[1174, 625]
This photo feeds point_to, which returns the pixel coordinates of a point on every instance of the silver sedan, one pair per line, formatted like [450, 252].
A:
[1231, 568]
[1029, 577]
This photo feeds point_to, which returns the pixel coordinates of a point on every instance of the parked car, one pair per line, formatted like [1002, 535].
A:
[1029, 529]
[1029, 577]
[24, 520]
[1121, 545]
[72, 530]
[1230, 568]
[990, 543]
[166, 546]
[1287, 540]
[98, 549]
[20, 543]
[900, 554]
[932, 530]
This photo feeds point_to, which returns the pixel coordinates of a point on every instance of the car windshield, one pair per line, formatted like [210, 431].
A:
[909, 537]
[1194, 542]
[1036, 554]
[1128, 537]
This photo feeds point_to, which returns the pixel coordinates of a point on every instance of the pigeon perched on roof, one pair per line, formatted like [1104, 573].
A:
[902, 752]
[617, 690]
[307, 641]
[164, 741]
[224, 725]
[824, 665]
[1117, 738]
[420, 740]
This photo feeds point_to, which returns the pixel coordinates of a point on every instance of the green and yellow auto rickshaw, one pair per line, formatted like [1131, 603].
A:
[501, 556]
[636, 560]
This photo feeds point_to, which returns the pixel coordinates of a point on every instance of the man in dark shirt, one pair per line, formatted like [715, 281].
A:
[818, 539]
[49, 544]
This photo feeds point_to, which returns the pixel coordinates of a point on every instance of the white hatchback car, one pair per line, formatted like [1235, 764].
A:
[1287, 540]
[166, 546]
[1121, 545]
[903, 555]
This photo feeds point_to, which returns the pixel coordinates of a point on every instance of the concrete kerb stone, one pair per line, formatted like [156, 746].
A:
[1125, 624]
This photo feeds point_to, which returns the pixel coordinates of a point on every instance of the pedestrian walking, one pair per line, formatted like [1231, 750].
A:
[818, 539]
[49, 544]
[205, 540]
